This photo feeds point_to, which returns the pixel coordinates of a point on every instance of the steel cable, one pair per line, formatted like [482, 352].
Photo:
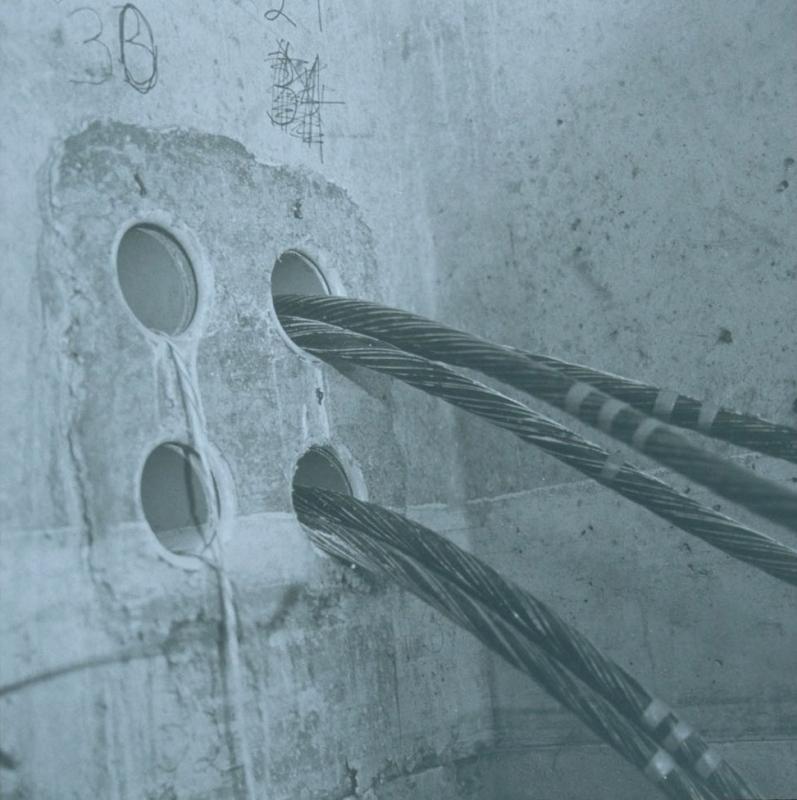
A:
[331, 342]
[615, 417]
[743, 430]
[493, 630]
[535, 621]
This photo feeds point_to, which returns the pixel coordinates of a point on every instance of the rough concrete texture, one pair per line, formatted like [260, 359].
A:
[612, 183]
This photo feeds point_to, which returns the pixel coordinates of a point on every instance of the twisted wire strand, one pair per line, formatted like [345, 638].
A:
[682, 411]
[492, 630]
[534, 620]
[423, 337]
[330, 342]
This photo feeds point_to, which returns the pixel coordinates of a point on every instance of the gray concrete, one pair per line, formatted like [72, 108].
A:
[612, 183]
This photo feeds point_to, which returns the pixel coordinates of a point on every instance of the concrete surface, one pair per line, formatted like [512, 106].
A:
[612, 183]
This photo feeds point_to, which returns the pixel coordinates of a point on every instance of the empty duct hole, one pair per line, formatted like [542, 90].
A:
[175, 498]
[295, 273]
[319, 468]
[156, 278]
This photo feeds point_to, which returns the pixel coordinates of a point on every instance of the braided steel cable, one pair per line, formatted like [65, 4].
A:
[330, 342]
[535, 621]
[653, 438]
[492, 630]
[682, 411]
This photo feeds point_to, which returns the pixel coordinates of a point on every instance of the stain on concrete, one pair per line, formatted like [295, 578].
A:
[585, 270]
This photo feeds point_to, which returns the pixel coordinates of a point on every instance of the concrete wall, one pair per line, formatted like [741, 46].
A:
[605, 182]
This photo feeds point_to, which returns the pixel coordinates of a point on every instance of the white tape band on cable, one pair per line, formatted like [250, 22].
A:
[660, 766]
[708, 412]
[643, 433]
[609, 410]
[665, 403]
[575, 396]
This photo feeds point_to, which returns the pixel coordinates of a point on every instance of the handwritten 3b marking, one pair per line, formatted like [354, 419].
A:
[138, 54]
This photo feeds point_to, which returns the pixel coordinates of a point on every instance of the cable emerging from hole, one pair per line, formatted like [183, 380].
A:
[434, 340]
[583, 400]
[527, 634]
[330, 342]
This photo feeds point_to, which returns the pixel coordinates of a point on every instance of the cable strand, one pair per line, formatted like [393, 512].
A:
[588, 403]
[493, 630]
[331, 343]
[532, 618]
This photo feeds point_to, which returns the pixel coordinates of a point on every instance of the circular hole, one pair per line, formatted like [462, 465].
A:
[319, 468]
[295, 273]
[157, 279]
[175, 499]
